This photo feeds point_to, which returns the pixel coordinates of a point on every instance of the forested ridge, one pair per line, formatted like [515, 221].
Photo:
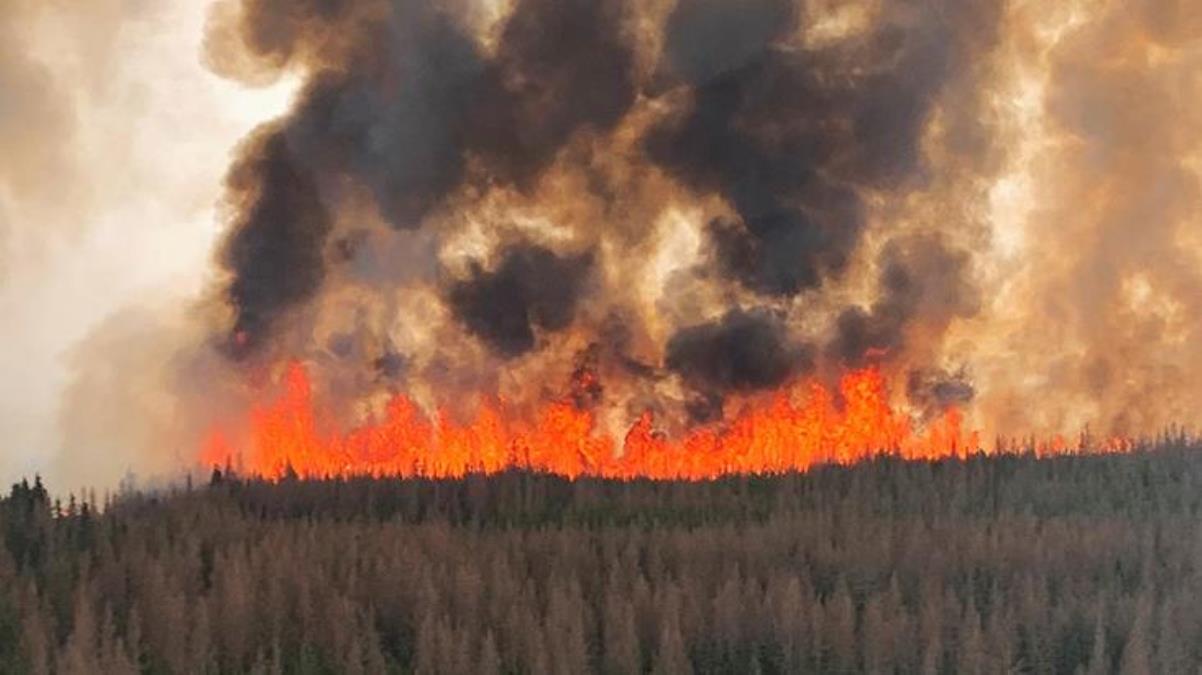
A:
[1012, 563]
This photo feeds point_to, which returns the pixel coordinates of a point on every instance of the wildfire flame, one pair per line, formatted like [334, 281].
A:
[798, 427]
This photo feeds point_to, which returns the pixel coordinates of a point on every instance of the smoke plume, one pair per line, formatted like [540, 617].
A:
[920, 281]
[742, 351]
[532, 289]
[817, 148]
[680, 204]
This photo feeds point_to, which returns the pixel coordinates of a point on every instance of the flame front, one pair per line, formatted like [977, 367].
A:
[798, 427]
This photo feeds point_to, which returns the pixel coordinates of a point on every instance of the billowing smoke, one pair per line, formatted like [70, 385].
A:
[276, 249]
[741, 352]
[401, 98]
[531, 290]
[680, 204]
[515, 142]
[1096, 309]
[560, 65]
[921, 285]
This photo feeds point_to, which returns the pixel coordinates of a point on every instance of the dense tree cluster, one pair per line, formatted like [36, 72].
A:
[1081, 564]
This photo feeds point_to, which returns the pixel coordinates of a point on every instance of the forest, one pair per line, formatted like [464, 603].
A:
[1089, 563]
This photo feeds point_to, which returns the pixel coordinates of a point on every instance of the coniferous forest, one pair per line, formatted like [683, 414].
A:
[1013, 563]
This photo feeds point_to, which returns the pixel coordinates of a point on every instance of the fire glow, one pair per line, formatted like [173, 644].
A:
[794, 429]
[778, 251]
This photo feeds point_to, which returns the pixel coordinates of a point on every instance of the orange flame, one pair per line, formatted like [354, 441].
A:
[793, 430]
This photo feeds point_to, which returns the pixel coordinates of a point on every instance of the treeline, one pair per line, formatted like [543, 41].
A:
[1083, 564]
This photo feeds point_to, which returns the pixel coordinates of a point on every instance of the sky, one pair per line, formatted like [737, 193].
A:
[121, 138]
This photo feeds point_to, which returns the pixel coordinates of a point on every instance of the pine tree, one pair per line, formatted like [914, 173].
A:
[565, 628]
[201, 657]
[1137, 658]
[428, 647]
[840, 626]
[1099, 659]
[972, 649]
[619, 637]
[488, 662]
[790, 621]
[670, 656]
[873, 640]
[81, 655]
[1171, 652]
[353, 658]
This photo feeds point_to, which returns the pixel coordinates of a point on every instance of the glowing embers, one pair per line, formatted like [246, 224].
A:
[796, 428]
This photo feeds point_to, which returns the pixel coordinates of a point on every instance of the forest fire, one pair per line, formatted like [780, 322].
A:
[791, 430]
[601, 336]
[840, 234]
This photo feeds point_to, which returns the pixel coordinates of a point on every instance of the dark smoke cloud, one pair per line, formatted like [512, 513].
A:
[531, 289]
[390, 366]
[778, 247]
[561, 65]
[743, 351]
[786, 135]
[387, 104]
[394, 116]
[411, 115]
[275, 251]
[784, 251]
[400, 98]
[921, 282]
[708, 38]
[934, 390]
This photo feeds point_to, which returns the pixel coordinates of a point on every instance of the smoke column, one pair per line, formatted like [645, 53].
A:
[676, 205]
[840, 172]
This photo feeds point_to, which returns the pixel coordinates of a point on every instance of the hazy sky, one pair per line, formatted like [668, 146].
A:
[115, 138]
